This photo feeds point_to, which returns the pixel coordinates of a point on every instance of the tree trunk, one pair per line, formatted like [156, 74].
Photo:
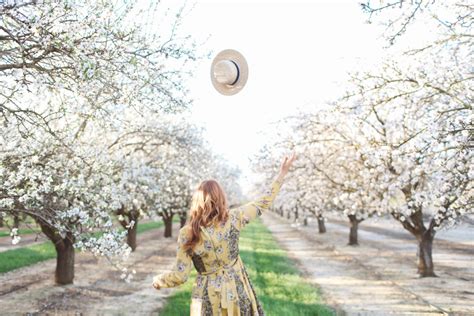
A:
[128, 217]
[424, 236]
[132, 236]
[182, 221]
[168, 226]
[288, 215]
[64, 273]
[305, 221]
[353, 232]
[425, 258]
[16, 221]
[1, 221]
[321, 225]
[64, 261]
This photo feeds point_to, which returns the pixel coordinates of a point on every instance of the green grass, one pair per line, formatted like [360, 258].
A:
[147, 226]
[25, 256]
[279, 285]
[21, 257]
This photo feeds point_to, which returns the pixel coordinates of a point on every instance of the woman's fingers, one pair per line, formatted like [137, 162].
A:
[287, 162]
[293, 157]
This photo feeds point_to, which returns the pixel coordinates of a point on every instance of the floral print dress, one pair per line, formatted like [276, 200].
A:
[222, 285]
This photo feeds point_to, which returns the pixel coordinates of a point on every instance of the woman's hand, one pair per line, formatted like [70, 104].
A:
[155, 284]
[286, 164]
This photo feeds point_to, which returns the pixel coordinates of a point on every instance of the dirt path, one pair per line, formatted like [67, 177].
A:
[454, 259]
[97, 289]
[379, 276]
[460, 240]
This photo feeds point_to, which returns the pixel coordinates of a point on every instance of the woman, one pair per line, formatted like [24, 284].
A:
[210, 242]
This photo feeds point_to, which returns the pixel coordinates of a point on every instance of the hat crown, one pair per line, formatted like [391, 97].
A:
[229, 72]
[226, 72]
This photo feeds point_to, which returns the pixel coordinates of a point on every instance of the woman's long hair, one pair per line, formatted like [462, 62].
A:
[209, 206]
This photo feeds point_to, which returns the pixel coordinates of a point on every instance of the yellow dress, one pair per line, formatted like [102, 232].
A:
[222, 285]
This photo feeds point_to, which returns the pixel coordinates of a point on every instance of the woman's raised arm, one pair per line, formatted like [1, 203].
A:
[245, 213]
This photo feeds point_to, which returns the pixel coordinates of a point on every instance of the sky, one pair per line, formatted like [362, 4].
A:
[298, 53]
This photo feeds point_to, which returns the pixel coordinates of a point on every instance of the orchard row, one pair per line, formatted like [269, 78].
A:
[399, 140]
[94, 125]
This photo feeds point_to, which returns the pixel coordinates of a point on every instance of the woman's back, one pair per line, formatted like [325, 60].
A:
[219, 245]
[222, 281]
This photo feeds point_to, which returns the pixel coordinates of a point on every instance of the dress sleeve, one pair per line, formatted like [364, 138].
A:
[181, 269]
[245, 213]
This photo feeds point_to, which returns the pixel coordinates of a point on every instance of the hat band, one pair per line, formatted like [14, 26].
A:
[238, 73]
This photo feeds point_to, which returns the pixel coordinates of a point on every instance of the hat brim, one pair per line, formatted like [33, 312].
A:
[239, 60]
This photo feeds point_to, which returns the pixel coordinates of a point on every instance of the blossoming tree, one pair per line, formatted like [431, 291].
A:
[65, 189]
[70, 75]
[420, 104]
[400, 140]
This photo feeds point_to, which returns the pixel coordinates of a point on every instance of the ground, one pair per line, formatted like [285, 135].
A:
[97, 287]
[379, 276]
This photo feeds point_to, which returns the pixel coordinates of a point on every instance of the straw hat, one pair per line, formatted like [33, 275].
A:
[229, 72]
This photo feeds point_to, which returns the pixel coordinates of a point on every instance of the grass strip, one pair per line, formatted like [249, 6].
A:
[25, 256]
[141, 228]
[279, 285]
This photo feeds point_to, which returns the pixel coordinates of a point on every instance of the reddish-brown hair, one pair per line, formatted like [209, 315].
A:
[208, 207]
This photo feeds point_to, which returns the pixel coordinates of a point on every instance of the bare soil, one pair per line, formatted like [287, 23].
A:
[378, 277]
[97, 288]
